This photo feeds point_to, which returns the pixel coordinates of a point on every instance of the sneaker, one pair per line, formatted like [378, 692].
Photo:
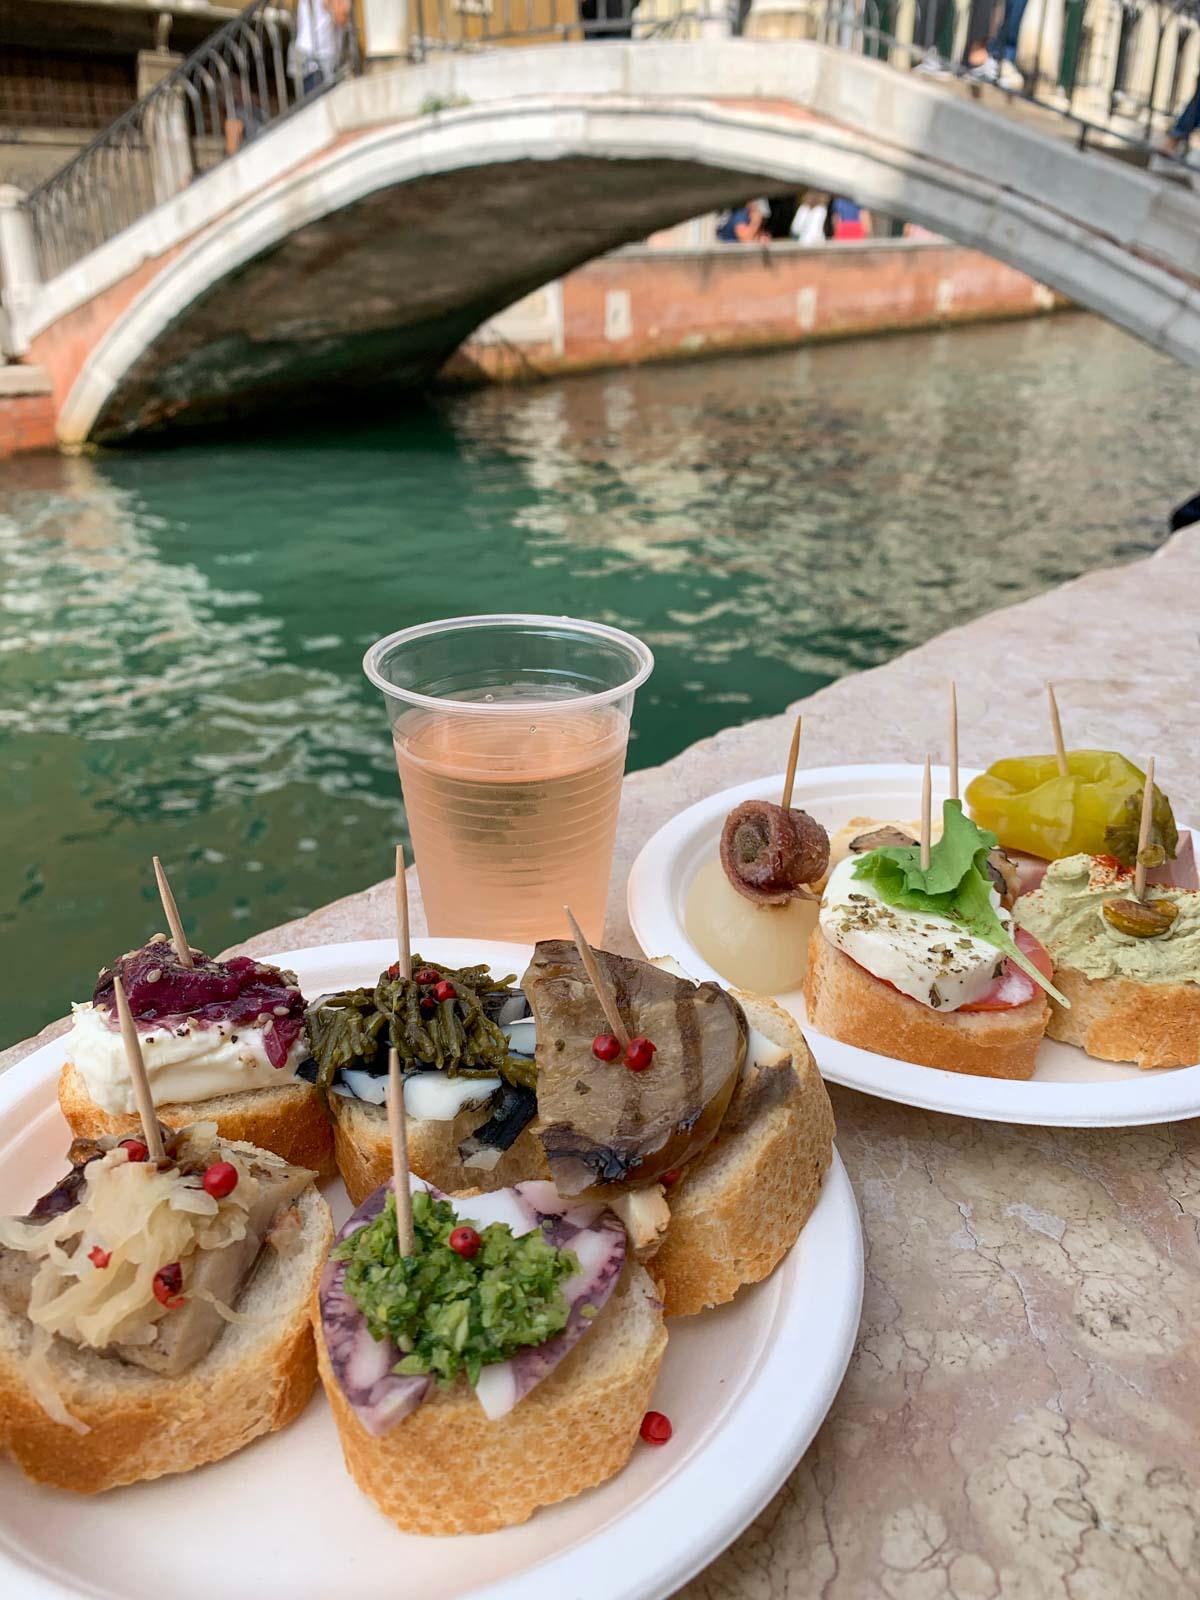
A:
[988, 70]
[1010, 77]
[932, 65]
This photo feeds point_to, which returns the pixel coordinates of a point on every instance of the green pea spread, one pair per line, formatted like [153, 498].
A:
[1064, 912]
[449, 1313]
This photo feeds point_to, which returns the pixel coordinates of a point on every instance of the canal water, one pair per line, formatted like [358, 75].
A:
[181, 630]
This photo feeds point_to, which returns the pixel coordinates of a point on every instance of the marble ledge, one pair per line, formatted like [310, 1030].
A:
[1021, 1415]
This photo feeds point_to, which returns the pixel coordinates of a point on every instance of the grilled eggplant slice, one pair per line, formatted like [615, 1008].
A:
[601, 1123]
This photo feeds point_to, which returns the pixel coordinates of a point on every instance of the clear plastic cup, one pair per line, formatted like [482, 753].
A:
[510, 735]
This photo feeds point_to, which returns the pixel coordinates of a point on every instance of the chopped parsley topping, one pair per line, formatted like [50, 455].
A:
[449, 1313]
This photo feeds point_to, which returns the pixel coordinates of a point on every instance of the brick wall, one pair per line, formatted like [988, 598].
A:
[26, 423]
[655, 305]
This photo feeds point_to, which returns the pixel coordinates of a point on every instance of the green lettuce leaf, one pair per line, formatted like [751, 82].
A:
[954, 885]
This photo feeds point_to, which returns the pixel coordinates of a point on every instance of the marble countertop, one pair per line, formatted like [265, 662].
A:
[1021, 1416]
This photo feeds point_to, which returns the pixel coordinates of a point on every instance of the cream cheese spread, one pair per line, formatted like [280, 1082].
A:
[185, 1059]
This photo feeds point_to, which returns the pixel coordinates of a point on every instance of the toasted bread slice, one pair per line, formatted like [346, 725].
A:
[845, 1002]
[1117, 1019]
[257, 1378]
[363, 1148]
[740, 1206]
[447, 1469]
[289, 1119]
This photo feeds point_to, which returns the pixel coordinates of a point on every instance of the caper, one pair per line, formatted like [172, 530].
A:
[1140, 919]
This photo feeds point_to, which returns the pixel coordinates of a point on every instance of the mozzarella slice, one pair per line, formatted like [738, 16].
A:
[928, 958]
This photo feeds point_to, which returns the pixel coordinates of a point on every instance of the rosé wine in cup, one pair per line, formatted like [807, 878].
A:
[510, 736]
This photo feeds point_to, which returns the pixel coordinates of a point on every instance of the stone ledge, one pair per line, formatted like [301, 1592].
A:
[16, 380]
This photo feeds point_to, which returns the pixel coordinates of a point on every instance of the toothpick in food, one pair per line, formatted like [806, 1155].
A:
[1060, 749]
[174, 921]
[398, 1128]
[926, 816]
[793, 755]
[402, 934]
[953, 741]
[599, 982]
[1139, 875]
[143, 1098]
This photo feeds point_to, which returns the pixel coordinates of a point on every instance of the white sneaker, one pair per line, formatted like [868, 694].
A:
[1010, 77]
[988, 70]
[932, 65]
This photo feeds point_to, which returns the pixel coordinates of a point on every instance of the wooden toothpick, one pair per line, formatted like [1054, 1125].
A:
[402, 937]
[793, 757]
[953, 741]
[178, 937]
[599, 982]
[137, 1075]
[1060, 749]
[926, 816]
[1139, 875]
[398, 1127]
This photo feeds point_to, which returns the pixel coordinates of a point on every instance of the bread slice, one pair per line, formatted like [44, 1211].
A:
[363, 1149]
[257, 1378]
[447, 1469]
[288, 1119]
[739, 1208]
[1118, 1019]
[845, 1002]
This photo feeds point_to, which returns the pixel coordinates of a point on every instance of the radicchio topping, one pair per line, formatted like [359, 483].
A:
[361, 1364]
[237, 992]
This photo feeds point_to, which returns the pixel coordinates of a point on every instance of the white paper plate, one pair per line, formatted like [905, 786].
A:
[1069, 1088]
[745, 1386]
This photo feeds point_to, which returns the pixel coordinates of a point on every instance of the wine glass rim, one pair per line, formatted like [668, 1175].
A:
[640, 652]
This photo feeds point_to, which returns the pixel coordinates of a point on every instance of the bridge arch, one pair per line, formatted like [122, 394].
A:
[370, 240]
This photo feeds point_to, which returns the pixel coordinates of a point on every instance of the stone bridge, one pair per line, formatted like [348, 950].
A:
[360, 240]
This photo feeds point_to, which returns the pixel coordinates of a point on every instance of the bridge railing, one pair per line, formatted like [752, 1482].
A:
[1120, 70]
[241, 80]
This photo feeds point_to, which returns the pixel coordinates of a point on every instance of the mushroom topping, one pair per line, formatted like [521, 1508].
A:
[883, 838]
[602, 1123]
[770, 854]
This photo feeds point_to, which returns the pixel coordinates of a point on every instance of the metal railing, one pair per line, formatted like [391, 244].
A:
[1118, 70]
[241, 80]
[1105, 47]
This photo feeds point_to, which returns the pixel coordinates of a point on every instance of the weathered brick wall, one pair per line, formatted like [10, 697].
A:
[26, 423]
[655, 305]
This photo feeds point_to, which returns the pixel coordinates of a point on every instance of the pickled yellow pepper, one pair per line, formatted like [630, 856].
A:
[1095, 809]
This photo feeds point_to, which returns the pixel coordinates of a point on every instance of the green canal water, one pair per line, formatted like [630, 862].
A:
[181, 631]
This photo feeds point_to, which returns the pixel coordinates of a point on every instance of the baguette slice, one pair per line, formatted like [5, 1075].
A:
[1118, 1019]
[362, 1146]
[289, 1119]
[739, 1207]
[845, 1002]
[447, 1469]
[257, 1378]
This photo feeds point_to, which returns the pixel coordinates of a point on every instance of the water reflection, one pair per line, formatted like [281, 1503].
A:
[180, 632]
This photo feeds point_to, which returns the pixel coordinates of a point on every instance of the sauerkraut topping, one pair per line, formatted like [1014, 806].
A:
[139, 1219]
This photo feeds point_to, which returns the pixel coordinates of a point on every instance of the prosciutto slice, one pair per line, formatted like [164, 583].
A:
[362, 1364]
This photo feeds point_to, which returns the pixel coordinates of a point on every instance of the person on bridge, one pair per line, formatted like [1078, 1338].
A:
[1175, 143]
[996, 61]
[322, 39]
[746, 225]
